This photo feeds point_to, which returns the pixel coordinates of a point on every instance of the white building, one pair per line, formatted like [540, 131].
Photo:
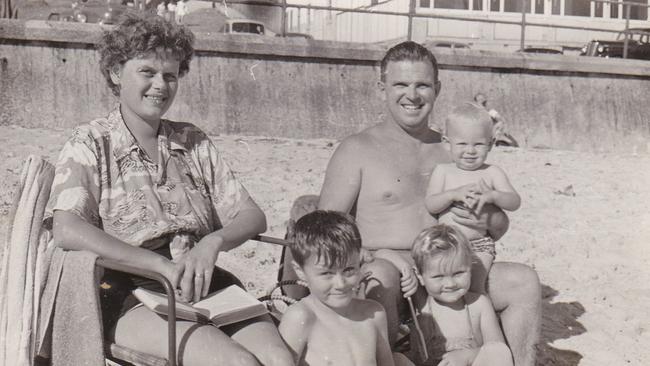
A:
[357, 27]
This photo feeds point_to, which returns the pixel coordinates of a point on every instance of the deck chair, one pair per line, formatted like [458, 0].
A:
[29, 263]
[30, 276]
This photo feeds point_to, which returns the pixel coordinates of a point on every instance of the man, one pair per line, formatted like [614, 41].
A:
[381, 174]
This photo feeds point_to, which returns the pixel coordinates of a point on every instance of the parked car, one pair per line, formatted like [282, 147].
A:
[445, 44]
[638, 46]
[295, 35]
[543, 50]
[243, 26]
[84, 11]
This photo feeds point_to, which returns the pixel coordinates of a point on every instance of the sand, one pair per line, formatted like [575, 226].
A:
[584, 226]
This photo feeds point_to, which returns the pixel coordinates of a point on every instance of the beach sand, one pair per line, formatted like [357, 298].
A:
[584, 225]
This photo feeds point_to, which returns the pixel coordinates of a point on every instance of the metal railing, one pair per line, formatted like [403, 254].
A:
[412, 14]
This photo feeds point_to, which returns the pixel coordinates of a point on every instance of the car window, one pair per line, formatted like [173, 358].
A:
[244, 27]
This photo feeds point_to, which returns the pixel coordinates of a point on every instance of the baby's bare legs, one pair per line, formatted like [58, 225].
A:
[493, 354]
[480, 269]
[198, 345]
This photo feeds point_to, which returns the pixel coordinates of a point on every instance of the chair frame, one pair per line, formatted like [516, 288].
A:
[170, 291]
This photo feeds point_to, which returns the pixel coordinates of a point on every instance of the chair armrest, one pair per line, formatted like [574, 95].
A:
[171, 299]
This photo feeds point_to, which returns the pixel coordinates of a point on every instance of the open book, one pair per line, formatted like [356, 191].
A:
[229, 305]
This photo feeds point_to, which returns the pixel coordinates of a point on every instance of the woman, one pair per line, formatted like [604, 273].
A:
[156, 194]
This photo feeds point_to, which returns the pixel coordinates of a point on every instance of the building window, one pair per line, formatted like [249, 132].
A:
[478, 5]
[495, 5]
[639, 12]
[613, 11]
[577, 8]
[556, 7]
[539, 6]
[514, 6]
[423, 3]
[452, 4]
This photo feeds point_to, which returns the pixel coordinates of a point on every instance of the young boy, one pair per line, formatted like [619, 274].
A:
[331, 326]
[469, 182]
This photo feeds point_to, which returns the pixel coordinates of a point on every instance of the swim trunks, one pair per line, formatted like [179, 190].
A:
[483, 245]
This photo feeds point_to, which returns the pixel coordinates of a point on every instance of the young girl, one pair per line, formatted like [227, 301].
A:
[465, 327]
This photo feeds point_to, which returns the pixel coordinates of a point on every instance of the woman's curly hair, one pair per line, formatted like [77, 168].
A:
[138, 34]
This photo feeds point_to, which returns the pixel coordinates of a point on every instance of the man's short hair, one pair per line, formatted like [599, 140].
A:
[408, 51]
[441, 240]
[330, 235]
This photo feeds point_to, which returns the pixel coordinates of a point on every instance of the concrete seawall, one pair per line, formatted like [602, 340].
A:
[49, 77]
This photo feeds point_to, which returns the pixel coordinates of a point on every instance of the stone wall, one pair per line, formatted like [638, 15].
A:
[251, 85]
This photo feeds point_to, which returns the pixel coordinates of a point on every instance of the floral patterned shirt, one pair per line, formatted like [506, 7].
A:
[106, 178]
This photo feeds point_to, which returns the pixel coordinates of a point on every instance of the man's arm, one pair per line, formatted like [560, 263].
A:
[491, 218]
[342, 178]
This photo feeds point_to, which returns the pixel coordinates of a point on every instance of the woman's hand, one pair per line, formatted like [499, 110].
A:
[197, 267]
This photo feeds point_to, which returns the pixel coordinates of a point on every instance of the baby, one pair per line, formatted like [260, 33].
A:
[331, 326]
[469, 182]
[465, 327]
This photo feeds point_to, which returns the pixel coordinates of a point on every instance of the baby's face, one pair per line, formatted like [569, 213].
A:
[446, 282]
[334, 286]
[469, 144]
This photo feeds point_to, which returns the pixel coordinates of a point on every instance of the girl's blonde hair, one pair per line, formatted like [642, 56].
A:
[441, 240]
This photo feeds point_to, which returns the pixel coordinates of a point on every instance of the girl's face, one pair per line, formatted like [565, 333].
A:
[148, 85]
[447, 280]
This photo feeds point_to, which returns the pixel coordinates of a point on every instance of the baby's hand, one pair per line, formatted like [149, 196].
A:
[409, 282]
[485, 196]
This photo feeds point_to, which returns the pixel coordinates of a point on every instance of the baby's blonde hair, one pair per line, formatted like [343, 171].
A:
[469, 112]
[441, 240]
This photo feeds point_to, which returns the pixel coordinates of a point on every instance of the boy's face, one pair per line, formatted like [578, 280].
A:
[468, 144]
[446, 283]
[409, 90]
[333, 286]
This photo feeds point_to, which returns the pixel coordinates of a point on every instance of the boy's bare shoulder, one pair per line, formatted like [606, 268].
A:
[299, 313]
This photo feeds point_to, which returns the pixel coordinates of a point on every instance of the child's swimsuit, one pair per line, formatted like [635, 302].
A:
[441, 345]
[483, 245]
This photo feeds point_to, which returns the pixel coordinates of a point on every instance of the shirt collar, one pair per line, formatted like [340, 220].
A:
[121, 138]
[124, 143]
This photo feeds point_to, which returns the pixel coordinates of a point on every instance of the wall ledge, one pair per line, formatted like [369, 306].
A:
[84, 35]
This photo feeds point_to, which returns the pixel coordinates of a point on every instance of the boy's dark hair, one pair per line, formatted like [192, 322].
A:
[408, 51]
[138, 34]
[330, 235]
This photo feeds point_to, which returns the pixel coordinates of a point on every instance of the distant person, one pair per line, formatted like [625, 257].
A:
[469, 183]
[465, 327]
[501, 137]
[161, 10]
[331, 326]
[171, 11]
[181, 11]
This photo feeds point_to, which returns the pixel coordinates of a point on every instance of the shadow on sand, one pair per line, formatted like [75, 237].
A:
[559, 321]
